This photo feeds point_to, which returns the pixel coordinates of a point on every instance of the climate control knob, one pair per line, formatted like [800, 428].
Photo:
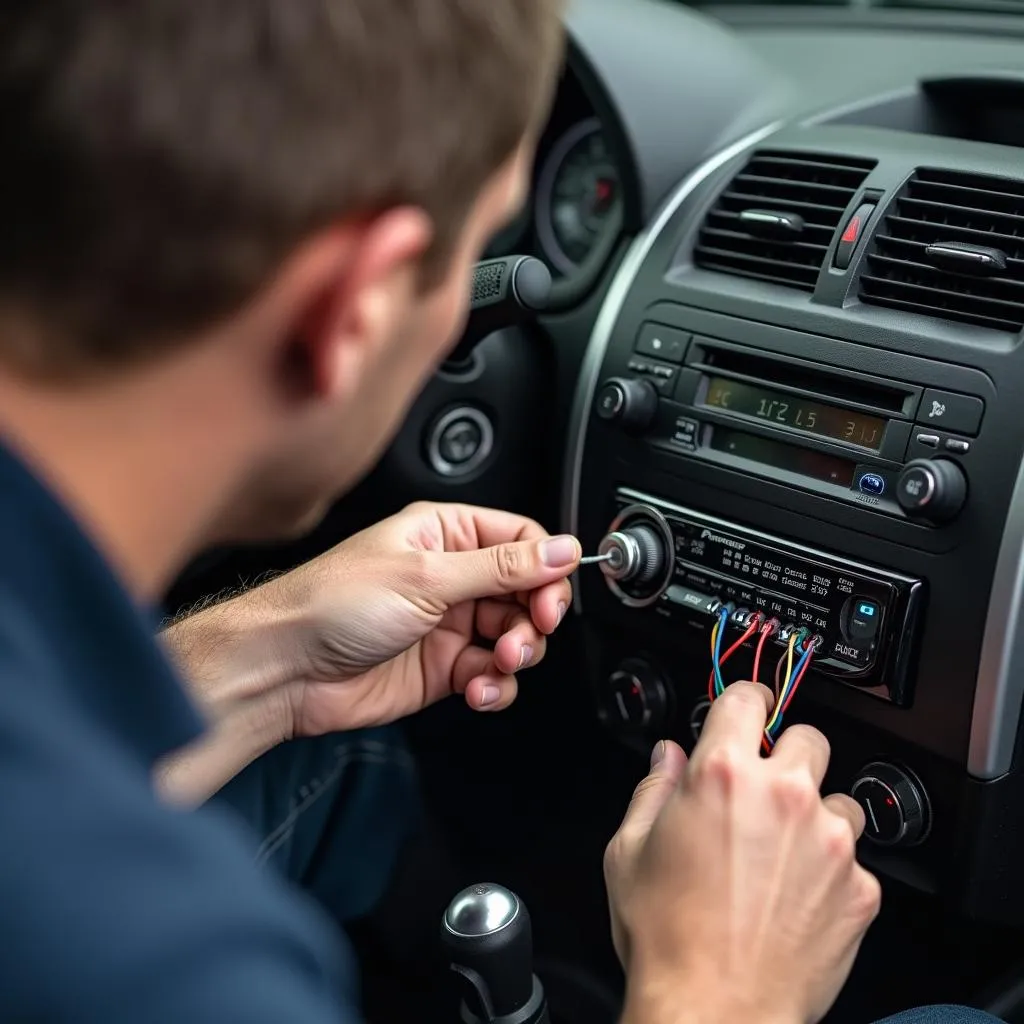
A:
[933, 489]
[632, 403]
[895, 806]
[636, 697]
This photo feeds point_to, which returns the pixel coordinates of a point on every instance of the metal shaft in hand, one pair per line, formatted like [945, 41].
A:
[596, 559]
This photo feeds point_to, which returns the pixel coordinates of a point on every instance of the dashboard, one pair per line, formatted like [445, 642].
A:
[779, 385]
[795, 435]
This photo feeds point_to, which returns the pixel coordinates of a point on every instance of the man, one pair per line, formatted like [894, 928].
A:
[237, 240]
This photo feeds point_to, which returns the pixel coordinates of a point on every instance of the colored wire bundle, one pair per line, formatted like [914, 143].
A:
[796, 658]
[785, 688]
[716, 684]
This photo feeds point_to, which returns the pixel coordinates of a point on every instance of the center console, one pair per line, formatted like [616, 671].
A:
[801, 405]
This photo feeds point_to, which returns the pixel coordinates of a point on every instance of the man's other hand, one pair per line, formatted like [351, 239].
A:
[734, 887]
[437, 600]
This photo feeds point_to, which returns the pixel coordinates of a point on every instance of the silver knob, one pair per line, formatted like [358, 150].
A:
[481, 910]
[635, 554]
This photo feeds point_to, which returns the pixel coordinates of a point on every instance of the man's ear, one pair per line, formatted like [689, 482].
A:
[374, 277]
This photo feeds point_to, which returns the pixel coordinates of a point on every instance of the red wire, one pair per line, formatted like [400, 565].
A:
[766, 631]
[751, 629]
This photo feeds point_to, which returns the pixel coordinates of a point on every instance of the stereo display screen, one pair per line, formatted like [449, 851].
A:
[816, 465]
[829, 421]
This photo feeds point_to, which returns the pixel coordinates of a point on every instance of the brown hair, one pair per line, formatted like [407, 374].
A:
[159, 159]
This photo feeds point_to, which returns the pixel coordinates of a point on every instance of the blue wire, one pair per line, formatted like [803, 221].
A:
[723, 618]
[808, 651]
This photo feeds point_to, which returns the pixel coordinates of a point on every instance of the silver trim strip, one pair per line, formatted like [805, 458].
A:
[1000, 685]
[611, 308]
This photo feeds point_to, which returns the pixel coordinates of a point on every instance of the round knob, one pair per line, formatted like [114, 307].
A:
[633, 403]
[636, 554]
[895, 805]
[489, 944]
[934, 489]
[481, 910]
[636, 697]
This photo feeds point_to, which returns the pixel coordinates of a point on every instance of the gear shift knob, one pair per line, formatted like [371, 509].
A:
[489, 943]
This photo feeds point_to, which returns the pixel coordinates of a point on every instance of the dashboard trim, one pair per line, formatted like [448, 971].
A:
[600, 337]
[999, 691]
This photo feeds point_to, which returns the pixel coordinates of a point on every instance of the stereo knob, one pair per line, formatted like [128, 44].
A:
[933, 489]
[636, 697]
[633, 403]
[895, 806]
[636, 554]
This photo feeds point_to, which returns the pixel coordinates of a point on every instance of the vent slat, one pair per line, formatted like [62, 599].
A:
[809, 251]
[840, 194]
[818, 187]
[745, 259]
[926, 233]
[914, 252]
[947, 206]
[745, 200]
[729, 220]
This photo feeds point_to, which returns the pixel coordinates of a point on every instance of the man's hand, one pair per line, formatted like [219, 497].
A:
[439, 599]
[734, 889]
[389, 621]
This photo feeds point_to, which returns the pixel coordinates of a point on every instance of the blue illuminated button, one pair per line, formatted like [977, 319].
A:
[862, 620]
[872, 483]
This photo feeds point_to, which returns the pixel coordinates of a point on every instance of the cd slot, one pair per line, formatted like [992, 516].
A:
[800, 377]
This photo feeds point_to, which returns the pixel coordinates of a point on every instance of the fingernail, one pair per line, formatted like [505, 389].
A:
[562, 609]
[525, 657]
[559, 551]
[491, 695]
[657, 754]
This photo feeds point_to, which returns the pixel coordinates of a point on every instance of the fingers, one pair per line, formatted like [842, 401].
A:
[484, 686]
[504, 569]
[735, 722]
[802, 748]
[549, 604]
[518, 642]
[849, 810]
[668, 763]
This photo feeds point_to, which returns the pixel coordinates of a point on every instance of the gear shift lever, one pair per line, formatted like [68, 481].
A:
[489, 943]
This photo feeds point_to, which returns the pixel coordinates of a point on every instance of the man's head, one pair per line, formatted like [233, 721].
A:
[289, 194]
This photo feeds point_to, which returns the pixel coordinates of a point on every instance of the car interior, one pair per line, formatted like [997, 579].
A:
[787, 250]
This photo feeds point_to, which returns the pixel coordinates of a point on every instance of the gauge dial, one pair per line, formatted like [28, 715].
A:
[578, 196]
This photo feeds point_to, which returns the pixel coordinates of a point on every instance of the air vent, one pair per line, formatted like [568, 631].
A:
[943, 220]
[776, 220]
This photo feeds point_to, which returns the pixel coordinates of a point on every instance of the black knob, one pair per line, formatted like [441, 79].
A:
[633, 403]
[489, 943]
[933, 489]
[895, 806]
[636, 554]
[636, 697]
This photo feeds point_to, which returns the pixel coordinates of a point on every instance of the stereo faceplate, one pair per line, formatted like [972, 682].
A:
[866, 617]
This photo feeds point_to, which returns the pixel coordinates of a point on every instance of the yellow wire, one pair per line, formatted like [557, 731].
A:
[782, 690]
[714, 638]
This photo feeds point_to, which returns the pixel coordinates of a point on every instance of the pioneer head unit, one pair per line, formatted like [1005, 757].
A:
[684, 565]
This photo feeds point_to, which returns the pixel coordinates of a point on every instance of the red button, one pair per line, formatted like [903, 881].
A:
[851, 235]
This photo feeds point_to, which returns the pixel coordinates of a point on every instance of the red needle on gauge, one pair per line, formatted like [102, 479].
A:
[603, 190]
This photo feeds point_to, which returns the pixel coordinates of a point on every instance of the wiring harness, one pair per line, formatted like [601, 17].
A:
[790, 669]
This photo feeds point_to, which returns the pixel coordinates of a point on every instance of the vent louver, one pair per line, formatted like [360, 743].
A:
[776, 220]
[976, 217]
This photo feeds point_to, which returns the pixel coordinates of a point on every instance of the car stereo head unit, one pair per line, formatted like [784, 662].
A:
[682, 565]
[897, 448]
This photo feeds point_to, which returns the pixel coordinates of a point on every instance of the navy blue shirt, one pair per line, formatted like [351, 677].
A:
[113, 906]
